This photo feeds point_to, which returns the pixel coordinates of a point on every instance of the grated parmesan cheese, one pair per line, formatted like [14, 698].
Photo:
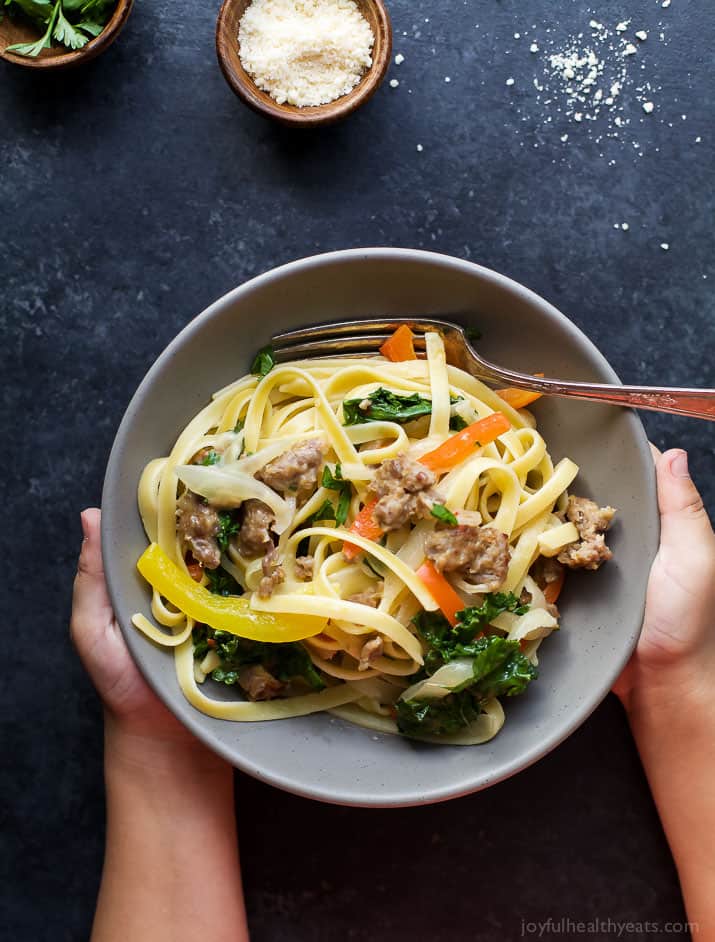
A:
[305, 52]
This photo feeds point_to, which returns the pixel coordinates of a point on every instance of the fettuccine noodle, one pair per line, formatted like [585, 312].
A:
[353, 613]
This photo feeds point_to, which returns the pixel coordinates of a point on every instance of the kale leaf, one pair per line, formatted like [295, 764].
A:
[263, 362]
[457, 423]
[222, 582]
[509, 679]
[228, 527]
[447, 642]
[478, 617]
[335, 482]
[386, 406]
[288, 662]
[437, 717]
[498, 666]
[200, 638]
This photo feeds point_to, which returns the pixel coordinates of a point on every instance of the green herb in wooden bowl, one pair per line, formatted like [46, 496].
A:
[46, 33]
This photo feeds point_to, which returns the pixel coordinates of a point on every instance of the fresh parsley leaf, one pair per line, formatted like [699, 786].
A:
[65, 33]
[335, 482]
[70, 22]
[472, 334]
[100, 10]
[263, 362]
[437, 717]
[89, 26]
[444, 515]
[222, 582]
[228, 527]
[33, 50]
[385, 406]
[238, 427]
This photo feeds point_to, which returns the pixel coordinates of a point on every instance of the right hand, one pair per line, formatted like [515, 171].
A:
[676, 649]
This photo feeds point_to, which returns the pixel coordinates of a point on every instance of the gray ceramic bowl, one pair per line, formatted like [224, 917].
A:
[323, 757]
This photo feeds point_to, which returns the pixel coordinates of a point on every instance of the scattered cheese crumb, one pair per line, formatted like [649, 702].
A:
[394, 83]
[665, 4]
[595, 25]
[564, 138]
[420, 148]
[622, 27]
[642, 35]
[625, 226]
[306, 53]
[510, 81]
[578, 116]
[517, 35]
[664, 246]
[698, 140]
[630, 50]
[648, 107]
[447, 78]
[533, 48]
[399, 59]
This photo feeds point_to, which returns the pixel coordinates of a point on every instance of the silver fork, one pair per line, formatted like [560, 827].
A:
[363, 337]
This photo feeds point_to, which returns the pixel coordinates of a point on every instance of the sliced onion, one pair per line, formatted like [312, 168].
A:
[536, 623]
[224, 486]
[443, 681]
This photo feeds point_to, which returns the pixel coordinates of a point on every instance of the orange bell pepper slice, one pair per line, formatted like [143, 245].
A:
[462, 445]
[363, 525]
[519, 398]
[552, 590]
[441, 591]
[400, 346]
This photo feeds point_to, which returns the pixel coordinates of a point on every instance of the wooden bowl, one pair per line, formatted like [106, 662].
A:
[19, 30]
[227, 49]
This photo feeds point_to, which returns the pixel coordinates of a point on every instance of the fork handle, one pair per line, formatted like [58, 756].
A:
[699, 403]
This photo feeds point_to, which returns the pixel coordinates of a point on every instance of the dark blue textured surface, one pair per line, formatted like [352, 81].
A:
[136, 190]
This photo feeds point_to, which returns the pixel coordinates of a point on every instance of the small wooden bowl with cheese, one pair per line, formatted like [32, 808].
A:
[290, 74]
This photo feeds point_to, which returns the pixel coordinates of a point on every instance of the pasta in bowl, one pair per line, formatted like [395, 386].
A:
[323, 755]
[384, 538]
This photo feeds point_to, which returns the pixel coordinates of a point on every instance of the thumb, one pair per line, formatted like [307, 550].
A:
[684, 521]
[91, 608]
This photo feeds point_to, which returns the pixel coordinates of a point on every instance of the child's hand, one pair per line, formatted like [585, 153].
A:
[133, 711]
[676, 650]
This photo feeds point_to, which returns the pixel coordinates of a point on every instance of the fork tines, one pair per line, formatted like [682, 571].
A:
[348, 338]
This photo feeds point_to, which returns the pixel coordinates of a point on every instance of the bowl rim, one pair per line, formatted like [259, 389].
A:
[193, 719]
[93, 48]
[290, 115]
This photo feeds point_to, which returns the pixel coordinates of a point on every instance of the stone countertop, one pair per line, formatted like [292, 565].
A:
[136, 190]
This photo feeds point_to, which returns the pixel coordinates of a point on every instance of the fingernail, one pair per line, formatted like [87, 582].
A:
[85, 525]
[679, 465]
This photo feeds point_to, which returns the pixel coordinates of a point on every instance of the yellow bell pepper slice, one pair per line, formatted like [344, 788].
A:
[224, 613]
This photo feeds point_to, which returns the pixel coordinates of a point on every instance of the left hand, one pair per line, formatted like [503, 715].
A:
[133, 711]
